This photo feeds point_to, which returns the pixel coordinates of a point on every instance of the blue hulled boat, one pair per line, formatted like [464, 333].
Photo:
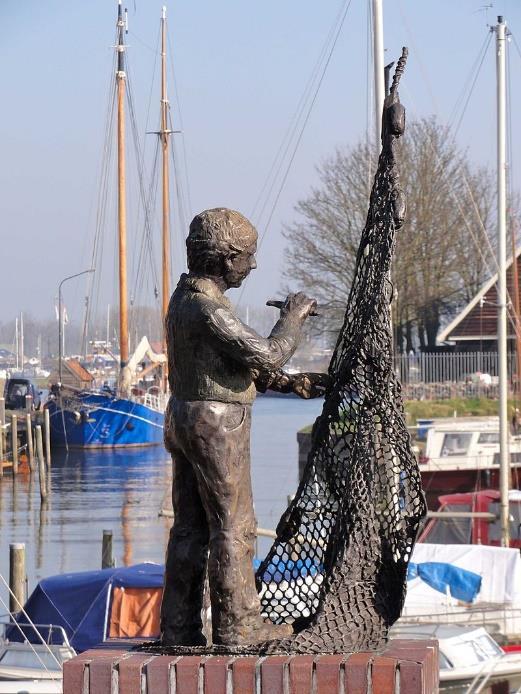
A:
[96, 420]
[127, 416]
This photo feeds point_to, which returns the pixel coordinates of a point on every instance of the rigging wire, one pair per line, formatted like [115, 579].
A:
[181, 212]
[33, 626]
[186, 172]
[473, 200]
[140, 274]
[302, 129]
[94, 280]
[479, 63]
[141, 181]
[156, 53]
[461, 99]
[285, 144]
[417, 55]
[338, 29]
[481, 58]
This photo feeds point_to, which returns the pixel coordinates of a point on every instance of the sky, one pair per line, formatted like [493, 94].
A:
[240, 71]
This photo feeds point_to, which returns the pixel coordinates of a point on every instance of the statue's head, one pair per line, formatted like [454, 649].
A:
[222, 243]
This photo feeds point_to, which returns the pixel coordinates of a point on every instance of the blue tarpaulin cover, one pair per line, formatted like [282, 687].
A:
[279, 570]
[78, 602]
[463, 584]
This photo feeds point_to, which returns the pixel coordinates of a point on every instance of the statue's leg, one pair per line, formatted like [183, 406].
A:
[186, 558]
[221, 448]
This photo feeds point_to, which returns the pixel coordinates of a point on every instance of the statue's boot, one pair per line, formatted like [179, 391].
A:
[261, 630]
[180, 638]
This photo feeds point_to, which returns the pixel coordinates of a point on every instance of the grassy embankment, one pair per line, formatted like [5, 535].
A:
[459, 407]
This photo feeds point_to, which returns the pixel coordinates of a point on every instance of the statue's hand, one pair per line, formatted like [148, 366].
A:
[310, 385]
[298, 304]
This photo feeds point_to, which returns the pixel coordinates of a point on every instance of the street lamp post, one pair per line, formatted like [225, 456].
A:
[60, 319]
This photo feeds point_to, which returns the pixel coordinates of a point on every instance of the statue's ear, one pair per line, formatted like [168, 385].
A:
[228, 261]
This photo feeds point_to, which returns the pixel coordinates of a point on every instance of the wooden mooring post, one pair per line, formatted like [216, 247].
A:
[30, 447]
[16, 576]
[107, 560]
[41, 463]
[47, 432]
[14, 442]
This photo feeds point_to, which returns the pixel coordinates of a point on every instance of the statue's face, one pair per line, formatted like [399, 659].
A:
[239, 264]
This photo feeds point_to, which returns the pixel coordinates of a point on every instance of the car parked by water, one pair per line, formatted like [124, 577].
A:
[16, 391]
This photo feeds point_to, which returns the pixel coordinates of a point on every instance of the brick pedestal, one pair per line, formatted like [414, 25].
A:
[407, 667]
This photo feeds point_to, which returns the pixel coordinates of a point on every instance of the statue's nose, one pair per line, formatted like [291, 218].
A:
[253, 263]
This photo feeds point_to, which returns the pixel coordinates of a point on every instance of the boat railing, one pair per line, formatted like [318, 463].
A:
[465, 462]
[151, 401]
[40, 629]
[483, 676]
[155, 402]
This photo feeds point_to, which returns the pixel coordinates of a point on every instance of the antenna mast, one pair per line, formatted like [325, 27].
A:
[504, 458]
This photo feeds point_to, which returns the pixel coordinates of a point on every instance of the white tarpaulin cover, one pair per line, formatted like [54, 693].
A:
[499, 568]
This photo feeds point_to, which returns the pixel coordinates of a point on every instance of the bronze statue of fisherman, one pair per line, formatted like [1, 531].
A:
[216, 364]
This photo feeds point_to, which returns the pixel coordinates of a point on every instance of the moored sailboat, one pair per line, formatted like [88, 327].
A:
[126, 415]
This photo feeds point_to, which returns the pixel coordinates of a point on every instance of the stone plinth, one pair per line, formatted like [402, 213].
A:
[405, 666]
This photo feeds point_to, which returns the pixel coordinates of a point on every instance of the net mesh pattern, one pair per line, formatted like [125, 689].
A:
[337, 568]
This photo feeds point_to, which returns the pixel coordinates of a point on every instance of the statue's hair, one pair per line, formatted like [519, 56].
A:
[214, 235]
[206, 257]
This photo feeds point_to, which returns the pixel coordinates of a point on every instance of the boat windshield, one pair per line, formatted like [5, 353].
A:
[456, 443]
[26, 658]
[444, 662]
[474, 651]
[451, 531]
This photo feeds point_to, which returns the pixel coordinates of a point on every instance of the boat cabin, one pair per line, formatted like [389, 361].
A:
[461, 454]
[455, 530]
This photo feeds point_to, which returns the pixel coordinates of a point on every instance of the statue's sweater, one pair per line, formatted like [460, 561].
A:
[212, 354]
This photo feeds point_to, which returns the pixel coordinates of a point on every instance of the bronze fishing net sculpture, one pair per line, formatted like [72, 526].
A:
[337, 568]
[353, 522]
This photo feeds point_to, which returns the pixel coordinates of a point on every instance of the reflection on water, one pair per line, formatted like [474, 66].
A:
[123, 491]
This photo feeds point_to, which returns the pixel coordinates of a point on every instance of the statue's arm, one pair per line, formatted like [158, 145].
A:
[310, 385]
[305, 385]
[242, 343]
[279, 381]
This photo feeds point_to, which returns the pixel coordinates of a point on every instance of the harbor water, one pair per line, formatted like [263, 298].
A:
[125, 490]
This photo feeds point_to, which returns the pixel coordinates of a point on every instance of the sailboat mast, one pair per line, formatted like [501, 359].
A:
[164, 136]
[504, 468]
[122, 208]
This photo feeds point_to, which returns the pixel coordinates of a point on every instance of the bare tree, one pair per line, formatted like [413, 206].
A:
[442, 250]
